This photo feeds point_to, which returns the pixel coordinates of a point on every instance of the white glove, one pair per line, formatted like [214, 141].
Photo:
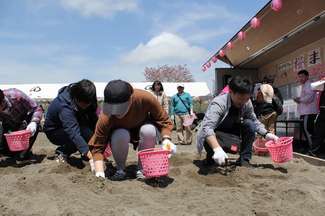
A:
[273, 137]
[100, 174]
[219, 156]
[92, 165]
[168, 145]
[32, 128]
[191, 112]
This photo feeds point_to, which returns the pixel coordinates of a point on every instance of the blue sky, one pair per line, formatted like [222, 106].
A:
[63, 41]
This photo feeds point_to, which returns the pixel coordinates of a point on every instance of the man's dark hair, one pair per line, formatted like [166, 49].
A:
[241, 85]
[83, 91]
[258, 81]
[1, 96]
[159, 83]
[303, 72]
[268, 79]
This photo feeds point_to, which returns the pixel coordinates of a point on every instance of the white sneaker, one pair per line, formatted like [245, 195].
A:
[141, 175]
[61, 158]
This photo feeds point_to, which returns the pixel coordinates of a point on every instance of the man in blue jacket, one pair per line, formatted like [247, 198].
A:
[71, 119]
[181, 106]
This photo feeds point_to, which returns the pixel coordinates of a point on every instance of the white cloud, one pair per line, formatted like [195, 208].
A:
[101, 8]
[166, 46]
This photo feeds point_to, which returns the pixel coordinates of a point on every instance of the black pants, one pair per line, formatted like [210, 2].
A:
[319, 132]
[307, 128]
[247, 130]
[4, 148]
[66, 146]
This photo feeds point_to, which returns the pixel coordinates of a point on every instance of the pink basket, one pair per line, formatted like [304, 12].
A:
[189, 119]
[259, 148]
[281, 151]
[108, 151]
[155, 162]
[18, 140]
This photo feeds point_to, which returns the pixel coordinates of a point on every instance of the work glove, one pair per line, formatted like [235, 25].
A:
[100, 174]
[168, 145]
[219, 156]
[92, 165]
[32, 128]
[270, 136]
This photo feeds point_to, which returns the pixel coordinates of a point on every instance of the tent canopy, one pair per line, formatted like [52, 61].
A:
[47, 92]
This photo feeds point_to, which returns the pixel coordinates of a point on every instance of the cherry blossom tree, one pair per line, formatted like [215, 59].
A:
[166, 73]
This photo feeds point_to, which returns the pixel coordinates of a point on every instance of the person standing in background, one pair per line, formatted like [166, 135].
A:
[268, 79]
[157, 90]
[265, 111]
[319, 134]
[308, 109]
[181, 105]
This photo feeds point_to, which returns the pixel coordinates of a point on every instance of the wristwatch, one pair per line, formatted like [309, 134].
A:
[265, 134]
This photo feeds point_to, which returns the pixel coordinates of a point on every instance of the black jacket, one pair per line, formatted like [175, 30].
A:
[64, 113]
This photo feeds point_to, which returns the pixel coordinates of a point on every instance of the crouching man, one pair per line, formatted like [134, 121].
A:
[228, 116]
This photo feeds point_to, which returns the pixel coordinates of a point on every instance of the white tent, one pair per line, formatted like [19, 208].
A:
[47, 92]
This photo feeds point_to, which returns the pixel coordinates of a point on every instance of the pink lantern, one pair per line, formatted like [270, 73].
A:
[241, 35]
[203, 68]
[276, 5]
[230, 45]
[214, 59]
[222, 53]
[208, 64]
[255, 22]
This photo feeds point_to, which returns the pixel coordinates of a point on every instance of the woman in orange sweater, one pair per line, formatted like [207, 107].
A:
[129, 116]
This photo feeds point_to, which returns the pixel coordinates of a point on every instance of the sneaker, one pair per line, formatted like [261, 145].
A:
[141, 175]
[61, 158]
[246, 163]
[119, 175]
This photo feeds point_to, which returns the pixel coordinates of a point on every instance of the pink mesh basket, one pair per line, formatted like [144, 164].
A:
[108, 151]
[259, 148]
[155, 162]
[18, 140]
[281, 151]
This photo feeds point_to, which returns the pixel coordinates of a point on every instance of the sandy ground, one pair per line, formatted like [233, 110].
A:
[42, 186]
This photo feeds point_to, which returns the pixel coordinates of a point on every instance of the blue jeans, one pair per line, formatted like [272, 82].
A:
[60, 137]
[248, 135]
[247, 130]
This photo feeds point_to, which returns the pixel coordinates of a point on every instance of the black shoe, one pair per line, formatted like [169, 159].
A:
[302, 151]
[246, 163]
[18, 156]
[310, 153]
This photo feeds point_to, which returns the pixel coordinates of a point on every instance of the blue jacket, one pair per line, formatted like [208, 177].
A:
[64, 113]
[178, 107]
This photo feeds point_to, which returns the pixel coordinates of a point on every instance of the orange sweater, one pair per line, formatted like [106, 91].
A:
[145, 108]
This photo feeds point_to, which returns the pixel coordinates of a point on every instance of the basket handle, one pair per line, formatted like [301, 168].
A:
[151, 149]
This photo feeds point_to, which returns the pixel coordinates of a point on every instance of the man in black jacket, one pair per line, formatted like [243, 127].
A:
[71, 119]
